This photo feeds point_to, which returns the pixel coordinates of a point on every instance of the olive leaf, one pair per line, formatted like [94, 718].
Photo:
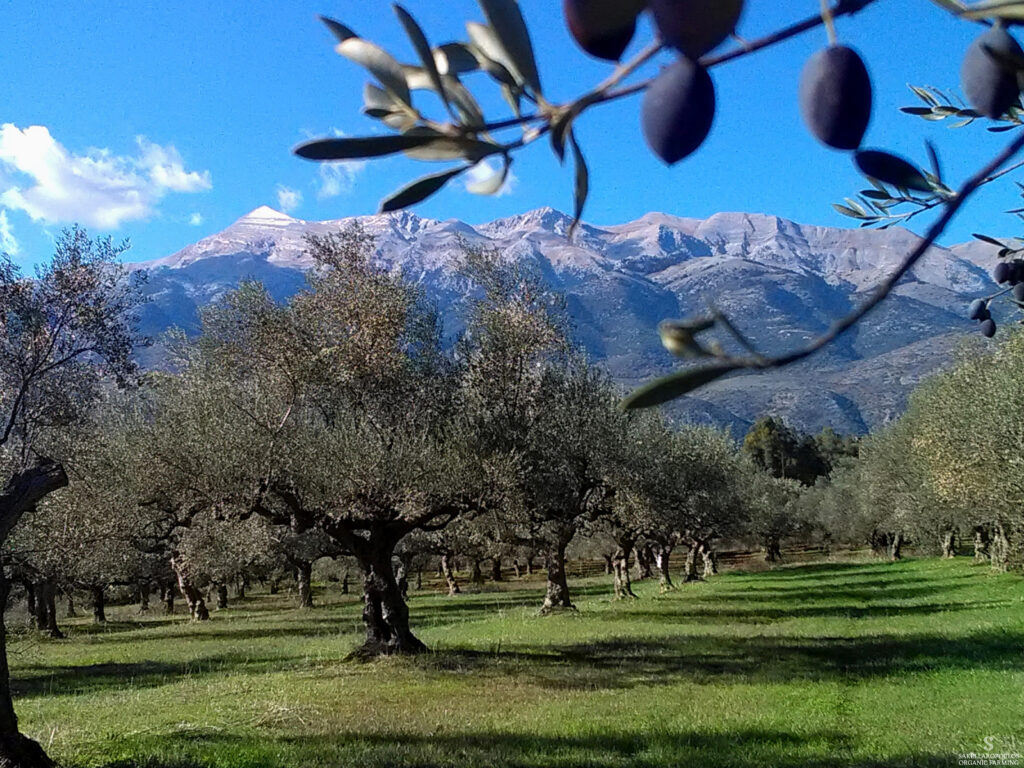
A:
[676, 385]
[491, 56]
[420, 190]
[582, 185]
[364, 146]
[440, 146]
[513, 36]
[890, 169]
[419, 42]
[381, 64]
[339, 30]
[455, 59]
[995, 9]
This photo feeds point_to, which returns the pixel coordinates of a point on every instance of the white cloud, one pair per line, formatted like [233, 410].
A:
[288, 199]
[100, 189]
[487, 170]
[8, 243]
[338, 178]
[195, 220]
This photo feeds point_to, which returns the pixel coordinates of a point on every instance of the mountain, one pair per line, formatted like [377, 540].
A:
[781, 282]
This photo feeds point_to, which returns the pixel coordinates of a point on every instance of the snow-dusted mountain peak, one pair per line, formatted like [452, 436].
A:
[265, 216]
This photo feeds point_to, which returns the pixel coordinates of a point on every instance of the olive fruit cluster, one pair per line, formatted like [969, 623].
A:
[679, 105]
[979, 311]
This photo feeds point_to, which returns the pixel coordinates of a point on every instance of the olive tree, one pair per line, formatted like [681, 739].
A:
[63, 335]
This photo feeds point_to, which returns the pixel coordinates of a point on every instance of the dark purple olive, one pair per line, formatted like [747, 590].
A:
[1002, 272]
[678, 110]
[695, 27]
[990, 81]
[978, 309]
[603, 28]
[835, 97]
[988, 328]
[1018, 292]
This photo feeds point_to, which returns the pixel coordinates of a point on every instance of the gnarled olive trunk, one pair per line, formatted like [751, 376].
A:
[981, 544]
[949, 544]
[690, 569]
[999, 548]
[70, 612]
[772, 549]
[243, 584]
[144, 589]
[385, 614]
[644, 561]
[167, 597]
[222, 596]
[620, 570]
[607, 563]
[21, 493]
[304, 578]
[661, 560]
[517, 569]
[896, 547]
[344, 584]
[710, 559]
[30, 604]
[529, 564]
[46, 608]
[496, 568]
[193, 597]
[99, 605]
[476, 575]
[449, 574]
[557, 596]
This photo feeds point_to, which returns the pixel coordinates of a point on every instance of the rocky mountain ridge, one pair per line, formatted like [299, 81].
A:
[780, 281]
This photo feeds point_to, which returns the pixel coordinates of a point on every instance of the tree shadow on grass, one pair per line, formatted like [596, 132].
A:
[747, 748]
[626, 663]
[49, 680]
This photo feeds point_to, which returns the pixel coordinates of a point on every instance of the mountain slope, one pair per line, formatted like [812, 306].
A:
[782, 282]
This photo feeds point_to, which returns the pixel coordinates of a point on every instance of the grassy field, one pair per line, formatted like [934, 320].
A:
[844, 664]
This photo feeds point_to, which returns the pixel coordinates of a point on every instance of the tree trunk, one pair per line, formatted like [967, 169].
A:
[999, 549]
[30, 604]
[344, 584]
[620, 570]
[690, 572]
[144, 588]
[16, 750]
[70, 613]
[644, 556]
[709, 558]
[517, 569]
[896, 548]
[664, 577]
[196, 604]
[222, 596]
[496, 569]
[607, 563]
[48, 598]
[981, 545]
[168, 598]
[476, 576]
[385, 614]
[772, 549]
[529, 565]
[304, 577]
[275, 585]
[449, 574]
[99, 605]
[949, 544]
[243, 584]
[557, 596]
[419, 579]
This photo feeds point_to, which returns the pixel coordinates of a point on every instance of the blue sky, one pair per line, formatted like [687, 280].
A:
[165, 122]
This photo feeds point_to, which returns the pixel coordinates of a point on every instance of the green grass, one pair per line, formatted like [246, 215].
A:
[843, 664]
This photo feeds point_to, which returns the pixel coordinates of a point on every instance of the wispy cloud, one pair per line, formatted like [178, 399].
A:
[288, 199]
[339, 178]
[195, 220]
[41, 177]
[8, 243]
[487, 171]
